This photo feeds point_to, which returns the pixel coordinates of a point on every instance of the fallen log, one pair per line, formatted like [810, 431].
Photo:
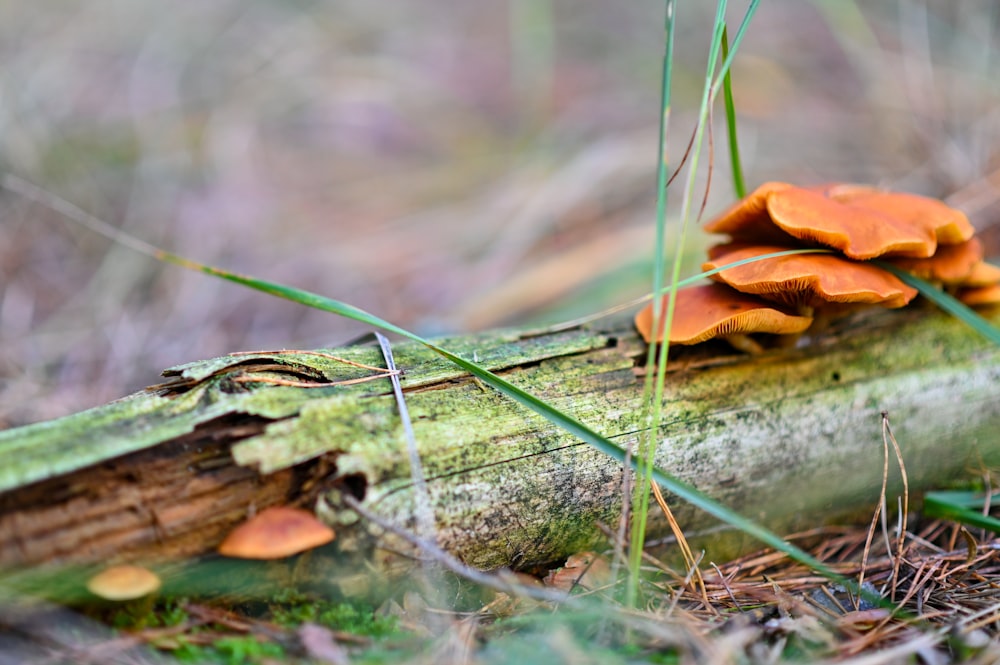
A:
[790, 438]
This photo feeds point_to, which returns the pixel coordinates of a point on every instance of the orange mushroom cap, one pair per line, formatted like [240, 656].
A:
[858, 232]
[862, 222]
[123, 583]
[715, 310]
[982, 274]
[951, 264]
[980, 287]
[276, 533]
[748, 219]
[807, 279]
[949, 225]
[980, 296]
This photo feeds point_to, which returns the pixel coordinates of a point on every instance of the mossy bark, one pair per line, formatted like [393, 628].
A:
[790, 438]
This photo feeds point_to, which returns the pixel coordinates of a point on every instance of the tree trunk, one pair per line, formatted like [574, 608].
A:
[790, 438]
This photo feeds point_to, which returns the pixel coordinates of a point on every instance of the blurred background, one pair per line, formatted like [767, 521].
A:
[451, 166]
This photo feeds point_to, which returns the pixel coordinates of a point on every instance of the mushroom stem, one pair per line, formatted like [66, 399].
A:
[787, 341]
[821, 321]
[745, 343]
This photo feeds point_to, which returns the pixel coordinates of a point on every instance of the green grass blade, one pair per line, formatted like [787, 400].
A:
[946, 302]
[739, 184]
[960, 506]
[655, 385]
[678, 487]
[737, 40]
[656, 381]
[650, 415]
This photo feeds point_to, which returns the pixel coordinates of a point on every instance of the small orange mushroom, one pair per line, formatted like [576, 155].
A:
[715, 310]
[587, 570]
[120, 583]
[276, 533]
[807, 281]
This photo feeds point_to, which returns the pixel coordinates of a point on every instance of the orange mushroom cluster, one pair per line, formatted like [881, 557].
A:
[788, 294]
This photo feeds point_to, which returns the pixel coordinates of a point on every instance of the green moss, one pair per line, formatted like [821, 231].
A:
[354, 618]
[230, 651]
[171, 614]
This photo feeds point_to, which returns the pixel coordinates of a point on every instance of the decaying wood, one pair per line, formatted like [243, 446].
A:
[787, 438]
